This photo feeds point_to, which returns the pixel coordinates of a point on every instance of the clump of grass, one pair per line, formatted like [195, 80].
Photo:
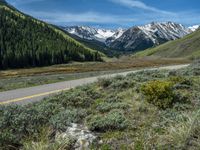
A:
[45, 143]
[181, 134]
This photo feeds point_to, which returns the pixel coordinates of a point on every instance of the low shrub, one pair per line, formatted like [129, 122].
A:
[173, 73]
[105, 107]
[16, 122]
[104, 82]
[193, 69]
[114, 120]
[76, 99]
[90, 91]
[159, 93]
[113, 98]
[64, 119]
[181, 80]
[143, 76]
[47, 109]
[122, 84]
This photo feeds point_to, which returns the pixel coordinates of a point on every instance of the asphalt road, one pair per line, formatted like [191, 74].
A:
[37, 93]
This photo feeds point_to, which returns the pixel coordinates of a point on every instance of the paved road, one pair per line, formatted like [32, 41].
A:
[33, 94]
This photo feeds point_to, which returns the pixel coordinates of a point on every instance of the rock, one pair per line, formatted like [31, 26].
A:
[83, 136]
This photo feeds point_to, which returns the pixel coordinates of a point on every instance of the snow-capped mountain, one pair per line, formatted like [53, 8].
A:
[90, 33]
[143, 37]
[194, 28]
[135, 38]
[118, 34]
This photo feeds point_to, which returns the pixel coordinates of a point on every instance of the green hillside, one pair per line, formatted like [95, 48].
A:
[187, 47]
[27, 42]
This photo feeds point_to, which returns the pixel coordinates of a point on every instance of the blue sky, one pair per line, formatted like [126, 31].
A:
[111, 13]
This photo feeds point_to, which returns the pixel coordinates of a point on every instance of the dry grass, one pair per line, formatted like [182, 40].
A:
[118, 64]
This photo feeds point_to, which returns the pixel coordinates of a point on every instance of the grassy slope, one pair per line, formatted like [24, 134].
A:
[78, 45]
[187, 47]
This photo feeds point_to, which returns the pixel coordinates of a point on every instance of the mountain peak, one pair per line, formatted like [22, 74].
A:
[149, 35]
[90, 33]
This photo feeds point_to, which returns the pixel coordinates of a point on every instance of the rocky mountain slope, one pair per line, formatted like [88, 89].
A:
[90, 33]
[143, 37]
[133, 39]
[186, 47]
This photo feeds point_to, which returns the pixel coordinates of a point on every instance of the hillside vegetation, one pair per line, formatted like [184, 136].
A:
[187, 47]
[27, 42]
[147, 110]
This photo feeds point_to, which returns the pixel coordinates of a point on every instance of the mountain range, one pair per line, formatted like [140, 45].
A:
[135, 38]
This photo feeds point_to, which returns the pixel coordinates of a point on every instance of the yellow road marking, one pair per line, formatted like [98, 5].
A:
[32, 96]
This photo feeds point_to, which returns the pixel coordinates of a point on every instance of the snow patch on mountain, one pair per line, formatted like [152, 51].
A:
[143, 37]
[164, 30]
[194, 28]
[118, 34]
[135, 38]
[90, 33]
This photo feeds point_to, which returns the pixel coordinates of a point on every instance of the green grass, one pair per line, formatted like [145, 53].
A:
[116, 110]
[186, 47]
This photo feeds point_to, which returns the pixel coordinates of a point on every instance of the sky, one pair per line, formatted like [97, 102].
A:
[111, 13]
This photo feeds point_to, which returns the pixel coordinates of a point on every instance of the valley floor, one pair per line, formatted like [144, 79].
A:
[21, 78]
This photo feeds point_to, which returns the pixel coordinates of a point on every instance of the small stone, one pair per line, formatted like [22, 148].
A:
[83, 136]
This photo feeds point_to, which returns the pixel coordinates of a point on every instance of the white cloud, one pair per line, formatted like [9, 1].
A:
[140, 5]
[86, 17]
[65, 18]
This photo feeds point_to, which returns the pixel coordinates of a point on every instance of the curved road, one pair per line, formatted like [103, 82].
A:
[37, 93]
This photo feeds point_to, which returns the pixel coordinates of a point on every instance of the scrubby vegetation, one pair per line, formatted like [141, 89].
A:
[159, 93]
[146, 110]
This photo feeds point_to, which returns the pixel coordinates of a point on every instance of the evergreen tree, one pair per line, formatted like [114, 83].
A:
[27, 42]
